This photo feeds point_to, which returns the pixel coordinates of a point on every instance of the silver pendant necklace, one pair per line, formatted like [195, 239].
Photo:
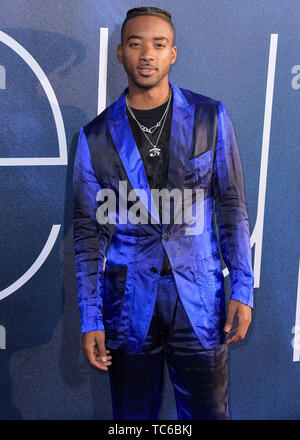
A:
[155, 150]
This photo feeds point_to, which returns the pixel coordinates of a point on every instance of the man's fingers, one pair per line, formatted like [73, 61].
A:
[103, 359]
[101, 349]
[233, 339]
[227, 327]
[100, 365]
[243, 314]
[238, 333]
[230, 317]
[89, 351]
[93, 346]
[96, 360]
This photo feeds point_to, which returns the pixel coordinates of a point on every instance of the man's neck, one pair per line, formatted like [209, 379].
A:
[145, 99]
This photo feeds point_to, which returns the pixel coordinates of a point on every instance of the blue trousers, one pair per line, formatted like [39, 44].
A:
[198, 375]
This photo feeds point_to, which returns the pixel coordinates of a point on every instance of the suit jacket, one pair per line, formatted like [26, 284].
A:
[118, 264]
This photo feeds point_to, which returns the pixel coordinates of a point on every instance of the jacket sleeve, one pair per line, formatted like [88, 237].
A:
[90, 239]
[231, 211]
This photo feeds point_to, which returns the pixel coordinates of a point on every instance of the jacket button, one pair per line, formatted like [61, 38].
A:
[165, 235]
[153, 269]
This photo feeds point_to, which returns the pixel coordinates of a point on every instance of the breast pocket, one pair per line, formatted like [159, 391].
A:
[199, 171]
[113, 293]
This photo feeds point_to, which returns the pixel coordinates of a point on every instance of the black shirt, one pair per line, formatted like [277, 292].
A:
[156, 167]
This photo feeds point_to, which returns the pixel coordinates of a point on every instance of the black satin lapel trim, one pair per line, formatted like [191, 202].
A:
[180, 141]
[180, 145]
[131, 159]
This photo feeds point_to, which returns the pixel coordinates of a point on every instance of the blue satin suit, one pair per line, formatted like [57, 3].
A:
[148, 317]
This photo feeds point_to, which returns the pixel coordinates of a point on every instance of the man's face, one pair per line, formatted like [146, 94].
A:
[147, 52]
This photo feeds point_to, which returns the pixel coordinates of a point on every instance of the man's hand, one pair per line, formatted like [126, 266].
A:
[93, 346]
[243, 313]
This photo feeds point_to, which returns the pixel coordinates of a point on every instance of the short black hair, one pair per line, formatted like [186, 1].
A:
[148, 10]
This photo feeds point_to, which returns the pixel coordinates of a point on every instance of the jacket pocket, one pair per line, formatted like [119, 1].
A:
[199, 170]
[113, 294]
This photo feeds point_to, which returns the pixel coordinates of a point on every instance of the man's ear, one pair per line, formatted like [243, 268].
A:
[174, 54]
[120, 53]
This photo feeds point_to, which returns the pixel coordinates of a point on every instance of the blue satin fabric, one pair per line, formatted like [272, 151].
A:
[199, 375]
[203, 154]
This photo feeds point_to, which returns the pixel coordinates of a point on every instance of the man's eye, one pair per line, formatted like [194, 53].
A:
[160, 45]
[134, 44]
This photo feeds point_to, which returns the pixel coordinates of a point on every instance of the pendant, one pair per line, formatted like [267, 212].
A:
[154, 151]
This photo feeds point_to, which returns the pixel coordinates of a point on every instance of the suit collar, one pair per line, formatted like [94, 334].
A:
[179, 149]
[119, 108]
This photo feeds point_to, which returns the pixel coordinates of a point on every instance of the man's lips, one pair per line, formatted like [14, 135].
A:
[146, 70]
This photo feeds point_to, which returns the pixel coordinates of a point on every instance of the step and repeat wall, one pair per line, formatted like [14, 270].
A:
[58, 70]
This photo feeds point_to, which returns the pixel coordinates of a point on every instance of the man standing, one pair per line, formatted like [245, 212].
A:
[150, 285]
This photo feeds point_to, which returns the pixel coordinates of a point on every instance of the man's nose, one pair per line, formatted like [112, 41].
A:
[147, 54]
